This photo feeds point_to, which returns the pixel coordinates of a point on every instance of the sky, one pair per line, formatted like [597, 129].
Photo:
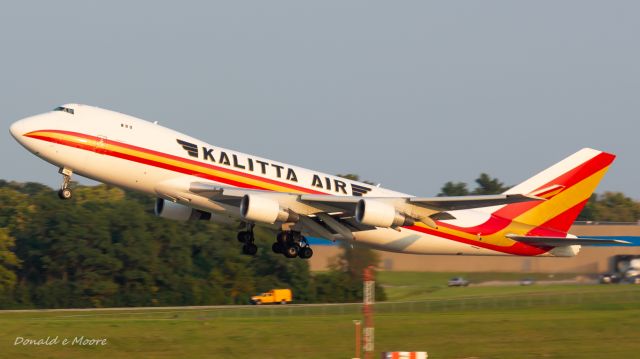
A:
[409, 94]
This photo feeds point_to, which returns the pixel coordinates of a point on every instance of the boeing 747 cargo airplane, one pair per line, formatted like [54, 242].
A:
[195, 180]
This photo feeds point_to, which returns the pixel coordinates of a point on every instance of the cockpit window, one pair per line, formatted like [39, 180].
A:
[65, 109]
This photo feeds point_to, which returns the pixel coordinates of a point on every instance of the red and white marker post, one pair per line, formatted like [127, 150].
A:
[367, 310]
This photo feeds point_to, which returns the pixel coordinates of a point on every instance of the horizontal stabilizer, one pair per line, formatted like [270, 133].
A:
[563, 241]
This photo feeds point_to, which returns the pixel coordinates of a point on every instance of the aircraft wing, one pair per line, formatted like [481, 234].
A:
[563, 241]
[343, 215]
[347, 204]
[337, 217]
[437, 204]
[325, 216]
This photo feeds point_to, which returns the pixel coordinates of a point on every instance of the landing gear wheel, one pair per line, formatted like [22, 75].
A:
[292, 244]
[64, 193]
[276, 247]
[291, 251]
[245, 237]
[305, 252]
[250, 249]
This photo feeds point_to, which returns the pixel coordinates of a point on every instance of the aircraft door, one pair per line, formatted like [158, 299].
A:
[100, 144]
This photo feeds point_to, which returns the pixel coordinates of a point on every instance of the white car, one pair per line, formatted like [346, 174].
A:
[458, 282]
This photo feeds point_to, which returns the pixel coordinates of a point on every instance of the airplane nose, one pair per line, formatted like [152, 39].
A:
[22, 127]
[17, 129]
[21, 130]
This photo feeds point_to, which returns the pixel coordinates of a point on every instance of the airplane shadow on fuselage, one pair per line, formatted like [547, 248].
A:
[403, 243]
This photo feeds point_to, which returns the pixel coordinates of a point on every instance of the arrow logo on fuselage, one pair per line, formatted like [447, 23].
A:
[191, 148]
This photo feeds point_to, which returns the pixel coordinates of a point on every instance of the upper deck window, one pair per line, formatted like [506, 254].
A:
[65, 109]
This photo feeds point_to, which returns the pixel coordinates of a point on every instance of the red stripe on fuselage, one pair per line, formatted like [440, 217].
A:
[167, 166]
[517, 248]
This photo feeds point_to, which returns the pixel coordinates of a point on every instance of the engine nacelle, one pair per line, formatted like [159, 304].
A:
[179, 212]
[380, 214]
[256, 208]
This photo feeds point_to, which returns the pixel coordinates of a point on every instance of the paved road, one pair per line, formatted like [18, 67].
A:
[135, 309]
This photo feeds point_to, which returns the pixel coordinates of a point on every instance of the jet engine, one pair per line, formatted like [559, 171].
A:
[380, 214]
[179, 212]
[256, 208]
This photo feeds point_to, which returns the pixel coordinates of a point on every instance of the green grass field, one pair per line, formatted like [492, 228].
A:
[401, 286]
[555, 321]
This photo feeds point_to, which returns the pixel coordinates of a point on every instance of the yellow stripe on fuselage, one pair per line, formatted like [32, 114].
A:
[200, 168]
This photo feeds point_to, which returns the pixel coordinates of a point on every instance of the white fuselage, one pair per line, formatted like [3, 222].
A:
[149, 172]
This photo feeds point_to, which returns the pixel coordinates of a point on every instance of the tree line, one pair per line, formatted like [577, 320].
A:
[105, 248]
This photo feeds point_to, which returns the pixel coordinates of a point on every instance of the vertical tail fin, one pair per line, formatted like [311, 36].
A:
[566, 186]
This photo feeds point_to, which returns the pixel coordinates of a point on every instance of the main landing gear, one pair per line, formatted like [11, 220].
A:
[65, 191]
[292, 244]
[247, 238]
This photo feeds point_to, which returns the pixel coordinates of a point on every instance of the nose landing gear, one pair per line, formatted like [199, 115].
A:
[65, 192]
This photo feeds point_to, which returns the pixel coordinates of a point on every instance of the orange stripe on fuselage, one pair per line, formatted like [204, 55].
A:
[167, 161]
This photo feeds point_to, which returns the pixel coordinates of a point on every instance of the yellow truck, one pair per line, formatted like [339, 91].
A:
[274, 296]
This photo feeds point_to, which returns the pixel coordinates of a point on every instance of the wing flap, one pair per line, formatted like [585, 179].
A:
[467, 202]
